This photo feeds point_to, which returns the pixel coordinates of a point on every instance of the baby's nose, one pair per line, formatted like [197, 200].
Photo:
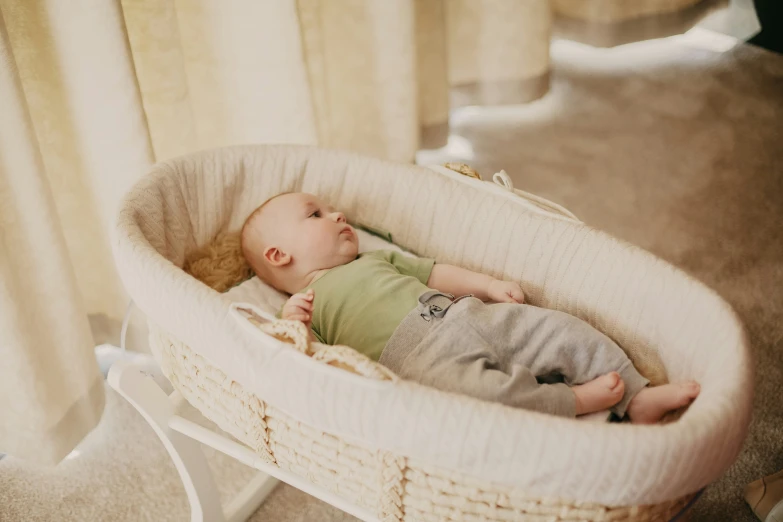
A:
[339, 217]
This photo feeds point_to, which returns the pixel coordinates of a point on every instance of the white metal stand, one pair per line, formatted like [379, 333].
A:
[134, 382]
[182, 438]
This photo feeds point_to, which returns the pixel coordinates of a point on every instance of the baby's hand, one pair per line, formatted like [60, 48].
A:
[505, 292]
[300, 308]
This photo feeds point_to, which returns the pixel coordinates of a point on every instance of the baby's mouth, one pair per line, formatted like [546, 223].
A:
[347, 230]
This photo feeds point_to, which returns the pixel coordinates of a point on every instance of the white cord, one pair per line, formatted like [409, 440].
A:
[125, 322]
[504, 180]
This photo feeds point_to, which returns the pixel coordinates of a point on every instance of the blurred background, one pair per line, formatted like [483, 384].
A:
[658, 121]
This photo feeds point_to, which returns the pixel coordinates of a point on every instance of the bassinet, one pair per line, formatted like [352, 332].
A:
[407, 452]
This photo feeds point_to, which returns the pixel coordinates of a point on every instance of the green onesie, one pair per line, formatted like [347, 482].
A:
[361, 304]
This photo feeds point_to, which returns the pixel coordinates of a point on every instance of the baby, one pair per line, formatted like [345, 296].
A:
[401, 312]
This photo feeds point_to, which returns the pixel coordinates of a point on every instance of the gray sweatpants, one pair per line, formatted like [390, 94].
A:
[502, 352]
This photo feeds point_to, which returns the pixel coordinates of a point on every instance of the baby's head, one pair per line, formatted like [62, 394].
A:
[292, 236]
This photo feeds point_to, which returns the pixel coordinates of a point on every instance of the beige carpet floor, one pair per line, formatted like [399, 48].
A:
[675, 148]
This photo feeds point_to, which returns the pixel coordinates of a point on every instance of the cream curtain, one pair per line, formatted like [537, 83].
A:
[94, 91]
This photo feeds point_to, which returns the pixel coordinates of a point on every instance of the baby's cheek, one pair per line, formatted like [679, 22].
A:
[321, 244]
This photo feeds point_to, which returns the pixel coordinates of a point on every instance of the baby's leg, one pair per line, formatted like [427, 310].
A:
[454, 354]
[547, 341]
[455, 357]
[580, 353]
[471, 369]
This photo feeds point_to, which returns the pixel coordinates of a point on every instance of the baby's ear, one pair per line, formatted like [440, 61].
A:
[276, 257]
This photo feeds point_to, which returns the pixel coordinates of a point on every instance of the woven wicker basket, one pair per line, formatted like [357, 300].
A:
[404, 451]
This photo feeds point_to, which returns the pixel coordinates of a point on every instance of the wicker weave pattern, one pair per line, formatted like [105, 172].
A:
[391, 485]
[212, 393]
[348, 470]
[432, 494]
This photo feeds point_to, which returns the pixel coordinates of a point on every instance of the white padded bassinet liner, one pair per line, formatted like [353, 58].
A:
[645, 304]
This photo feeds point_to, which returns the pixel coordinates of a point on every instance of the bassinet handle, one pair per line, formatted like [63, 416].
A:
[503, 180]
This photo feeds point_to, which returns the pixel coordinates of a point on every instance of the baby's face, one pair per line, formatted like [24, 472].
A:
[312, 232]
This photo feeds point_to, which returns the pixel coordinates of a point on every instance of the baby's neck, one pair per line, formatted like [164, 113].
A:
[311, 278]
[315, 276]
[293, 284]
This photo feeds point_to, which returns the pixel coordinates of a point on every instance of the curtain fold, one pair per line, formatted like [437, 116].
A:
[51, 392]
[93, 91]
[498, 51]
[361, 63]
[219, 73]
[78, 79]
[432, 72]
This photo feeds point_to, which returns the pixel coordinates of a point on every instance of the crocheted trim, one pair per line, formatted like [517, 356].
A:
[347, 358]
[344, 357]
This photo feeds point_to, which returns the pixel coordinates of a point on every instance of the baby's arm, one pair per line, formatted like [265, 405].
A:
[299, 307]
[458, 281]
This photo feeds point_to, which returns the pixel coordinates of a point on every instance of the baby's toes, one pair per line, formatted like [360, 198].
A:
[686, 392]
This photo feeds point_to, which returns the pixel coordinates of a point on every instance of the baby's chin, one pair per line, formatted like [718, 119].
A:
[353, 250]
[350, 245]
[346, 253]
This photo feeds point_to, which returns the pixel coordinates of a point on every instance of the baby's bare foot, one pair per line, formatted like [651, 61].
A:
[651, 404]
[599, 394]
